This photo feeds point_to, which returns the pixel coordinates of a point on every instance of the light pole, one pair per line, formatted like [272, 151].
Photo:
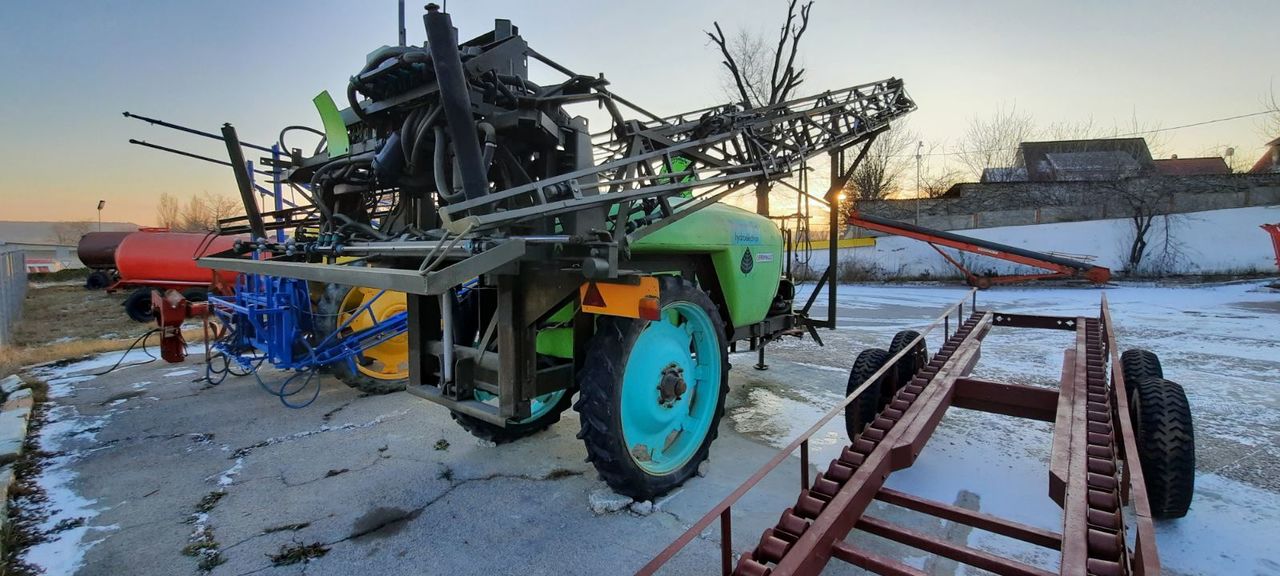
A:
[101, 205]
[919, 146]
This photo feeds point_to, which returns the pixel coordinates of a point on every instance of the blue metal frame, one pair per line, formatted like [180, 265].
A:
[271, 317]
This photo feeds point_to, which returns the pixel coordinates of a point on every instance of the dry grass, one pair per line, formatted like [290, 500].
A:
[63, 313]
[60, 322]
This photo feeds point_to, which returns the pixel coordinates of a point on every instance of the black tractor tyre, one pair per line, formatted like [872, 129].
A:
[196, 294]
[138, 306]
[1166, 446]
[513, 431]
[97, 280]
[863, 410]
[326, 322]
[600, 382]
[910, 363]
[1139, 365]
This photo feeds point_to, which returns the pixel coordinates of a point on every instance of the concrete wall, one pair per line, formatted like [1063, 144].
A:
[1207, 242]
[13, 288]
[997, 204]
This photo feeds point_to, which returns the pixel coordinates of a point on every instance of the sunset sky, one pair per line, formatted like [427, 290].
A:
[71, 68]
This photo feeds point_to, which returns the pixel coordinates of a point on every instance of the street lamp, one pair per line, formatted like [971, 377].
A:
[101, 204]
[919, 147]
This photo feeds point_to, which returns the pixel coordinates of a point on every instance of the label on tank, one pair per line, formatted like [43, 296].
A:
[764, 257]
[746, 233]
[747, 261]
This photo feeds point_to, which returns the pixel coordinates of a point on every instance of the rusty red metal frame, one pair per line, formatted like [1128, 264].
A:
[1057, 266]
[1274, 231]
[1090, 477]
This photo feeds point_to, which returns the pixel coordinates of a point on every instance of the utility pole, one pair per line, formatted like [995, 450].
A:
[919, 147]
[101, 205]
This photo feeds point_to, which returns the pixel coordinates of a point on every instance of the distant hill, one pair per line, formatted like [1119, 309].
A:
[50, 232]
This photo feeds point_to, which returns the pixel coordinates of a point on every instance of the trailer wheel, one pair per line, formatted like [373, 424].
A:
[97, 280]
[138, 306]
[652, 392]
[381, 369]
[196, 294]
[863, 409]
[1166, 446]
[910, 363]
[544, 411]
[1139, 365]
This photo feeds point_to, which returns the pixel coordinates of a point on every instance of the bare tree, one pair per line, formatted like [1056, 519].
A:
[935, 183]
[199, 214]
[764, 77]
[883, 166]
[167, 210]
[992, 142]
[68, 233]
[760, 76]
[1269, 127]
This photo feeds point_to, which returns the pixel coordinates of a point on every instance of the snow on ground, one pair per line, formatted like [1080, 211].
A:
[1220, 341]
[1196, 241]
[68, 525]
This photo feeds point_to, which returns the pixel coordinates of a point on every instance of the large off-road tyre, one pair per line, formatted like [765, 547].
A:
[381, 369]
[909, 364]
[1166, 446]
[97, 280]
[138, 306]
[865, 407]
[652, 392]
[1139, 365]
[544, 411]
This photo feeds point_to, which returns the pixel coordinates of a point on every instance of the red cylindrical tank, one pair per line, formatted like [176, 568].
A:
[97, 250]
[167, 258]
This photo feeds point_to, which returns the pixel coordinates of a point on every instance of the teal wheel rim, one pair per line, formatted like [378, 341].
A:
[664, 430]
[538, 407]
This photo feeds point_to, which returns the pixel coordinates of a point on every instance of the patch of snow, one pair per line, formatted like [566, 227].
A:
[181, 372]
[1197, 237]
[64, 551]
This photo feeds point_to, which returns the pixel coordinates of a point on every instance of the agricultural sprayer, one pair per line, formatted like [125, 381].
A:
[601, 265]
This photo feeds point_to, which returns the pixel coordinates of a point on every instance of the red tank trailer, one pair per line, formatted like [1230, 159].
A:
[148, 260]
[97, 251]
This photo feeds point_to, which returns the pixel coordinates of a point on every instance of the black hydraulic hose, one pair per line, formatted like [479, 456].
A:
[354, 102]
[285, 149]
[490, 144]
[375, 59]
[455, 97]
[367, 229]
[442, 186]
[420, 135]
[407, 130]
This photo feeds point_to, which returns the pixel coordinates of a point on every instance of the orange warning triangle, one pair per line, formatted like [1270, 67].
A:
[593, 297]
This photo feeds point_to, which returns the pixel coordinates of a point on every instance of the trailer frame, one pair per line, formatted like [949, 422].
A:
[1094, 470]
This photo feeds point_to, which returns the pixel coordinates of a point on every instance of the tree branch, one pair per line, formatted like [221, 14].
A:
[730, 63]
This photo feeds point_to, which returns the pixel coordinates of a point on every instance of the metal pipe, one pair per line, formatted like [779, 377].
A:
[421, 248]
[191, 130]
[446, 314]
[455, 97]
[248, 195]
[403, 41]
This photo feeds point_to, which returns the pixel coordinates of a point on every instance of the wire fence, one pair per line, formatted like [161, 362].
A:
[13, 288]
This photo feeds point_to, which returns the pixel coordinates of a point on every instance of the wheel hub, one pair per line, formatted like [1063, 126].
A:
[671, 386]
